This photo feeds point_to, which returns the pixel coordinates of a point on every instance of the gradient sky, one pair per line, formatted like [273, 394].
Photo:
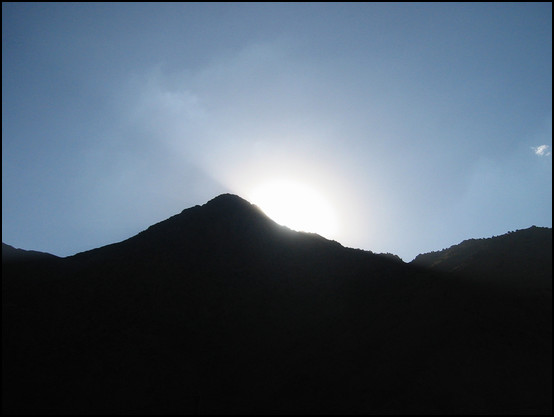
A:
[421, 124]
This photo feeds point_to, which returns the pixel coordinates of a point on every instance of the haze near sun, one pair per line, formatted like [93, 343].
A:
[296, 205]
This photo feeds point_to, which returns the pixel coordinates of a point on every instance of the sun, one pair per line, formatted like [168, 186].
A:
[297, 206]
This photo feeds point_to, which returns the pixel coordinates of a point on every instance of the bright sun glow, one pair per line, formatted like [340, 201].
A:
[296, 206]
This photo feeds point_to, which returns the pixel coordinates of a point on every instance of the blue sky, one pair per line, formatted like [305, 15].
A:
[421, 124]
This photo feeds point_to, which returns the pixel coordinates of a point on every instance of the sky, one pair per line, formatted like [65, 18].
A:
[419, 124]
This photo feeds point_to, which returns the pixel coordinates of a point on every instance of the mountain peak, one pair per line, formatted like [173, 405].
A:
[232, 205]
[227, 199]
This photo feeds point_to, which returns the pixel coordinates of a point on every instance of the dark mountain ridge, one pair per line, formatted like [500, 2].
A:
[223, 222]
[220, 310]
[11, 254]
[486, 260]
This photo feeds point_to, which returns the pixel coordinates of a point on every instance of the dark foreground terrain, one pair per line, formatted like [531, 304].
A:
[220, 310]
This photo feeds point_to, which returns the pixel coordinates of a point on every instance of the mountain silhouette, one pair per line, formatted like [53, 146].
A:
[486, 260]
[9, 253]
[219, 310]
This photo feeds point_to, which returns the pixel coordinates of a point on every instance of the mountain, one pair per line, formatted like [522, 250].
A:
[219, 310]
[11, 254]
[486, 260]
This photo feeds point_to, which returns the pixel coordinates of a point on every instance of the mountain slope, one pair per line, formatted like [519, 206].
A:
[11, 254]
[220, 310]
[501, 260]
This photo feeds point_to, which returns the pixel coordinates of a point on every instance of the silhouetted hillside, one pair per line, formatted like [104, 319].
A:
[220, 310]
[521, 259]
[11, 254]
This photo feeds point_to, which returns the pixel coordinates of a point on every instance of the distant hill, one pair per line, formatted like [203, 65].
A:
[11, 254]
[522, 259]
[219, 310]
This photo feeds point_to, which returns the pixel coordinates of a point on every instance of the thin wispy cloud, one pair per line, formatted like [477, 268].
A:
[543, 150]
